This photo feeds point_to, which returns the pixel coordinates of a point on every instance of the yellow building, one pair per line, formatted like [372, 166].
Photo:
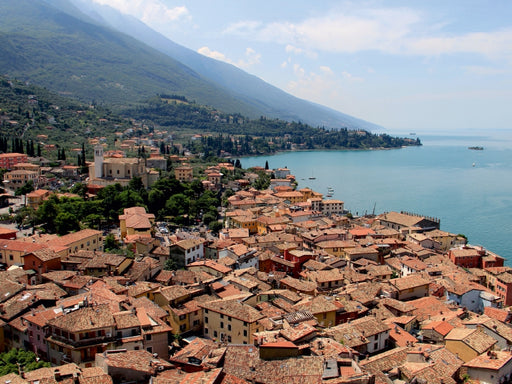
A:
[246, 222]
[36, 198]
[308, 193]
[112, 170]
[12, 251]
[18, 178]
[84, 240]
[184, 173]
[292, 197]
[230, 321]
[136, 221]
[184, 314]
[446, 239]
[468, 343]
[322, 308]
[336, 247]
[264, 223]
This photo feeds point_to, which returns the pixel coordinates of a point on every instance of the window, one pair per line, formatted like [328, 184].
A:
[222, 324]
[229, 327]
[148, 336]
[376, 345]
[245, 332]
[221, 316]
[206, 320]
[215, 333]
[229, 339]
[206, 331]
[149, 349]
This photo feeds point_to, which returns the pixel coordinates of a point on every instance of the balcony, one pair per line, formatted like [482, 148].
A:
[109, 338]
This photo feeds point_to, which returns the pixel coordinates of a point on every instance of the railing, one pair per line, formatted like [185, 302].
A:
[83, 342]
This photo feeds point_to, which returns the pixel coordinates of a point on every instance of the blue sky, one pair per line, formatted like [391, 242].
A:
[405, 65]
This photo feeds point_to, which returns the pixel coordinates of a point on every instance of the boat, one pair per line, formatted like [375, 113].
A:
[476, 148]
[312, 177]
[329, 195]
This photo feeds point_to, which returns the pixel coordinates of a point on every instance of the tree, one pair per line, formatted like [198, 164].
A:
[170, 265]
[66, 222]
[177, 205]
[262, 182]
[215, 226]
[266, 165]
[47, 213]
[11, 361]
[111, 243]
[24, 189]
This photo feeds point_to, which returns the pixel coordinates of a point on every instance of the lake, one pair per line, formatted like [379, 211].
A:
[470, 191]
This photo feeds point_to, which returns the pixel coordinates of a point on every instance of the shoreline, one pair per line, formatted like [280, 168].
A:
[325, 150]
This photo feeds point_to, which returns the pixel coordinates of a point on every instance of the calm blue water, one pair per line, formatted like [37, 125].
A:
[437, 179]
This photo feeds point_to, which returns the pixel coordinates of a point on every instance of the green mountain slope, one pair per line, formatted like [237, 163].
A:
[46, 46]
[269, 100]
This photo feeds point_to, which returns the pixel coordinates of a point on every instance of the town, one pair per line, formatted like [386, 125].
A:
[279, 285]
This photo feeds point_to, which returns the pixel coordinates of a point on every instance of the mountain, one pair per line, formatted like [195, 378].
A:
[49, 47]
[271, 100]
[84, 50]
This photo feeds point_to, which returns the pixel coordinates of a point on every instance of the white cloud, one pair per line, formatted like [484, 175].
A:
[251, 57]
[348, 76]
[394, 31]
[373, 29]
[325, 69]
[151, 12]
[492, 44]
[213, 54]
[299, 51]
[484, 71]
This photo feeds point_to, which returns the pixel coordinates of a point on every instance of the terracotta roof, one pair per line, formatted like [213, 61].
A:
[234, 309]
[140, 361]
[85, 319]
[299, 285]
[210, 264]
[477, 340]
[40, 318]
[441, 327]
[21, 246]
[492, 361]
[408, 282]
[244, 362]
[76, 236]
[370, 326]
[45, 254]
[317, 305]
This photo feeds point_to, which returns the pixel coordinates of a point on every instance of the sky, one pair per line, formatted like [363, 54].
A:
[405, 65]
